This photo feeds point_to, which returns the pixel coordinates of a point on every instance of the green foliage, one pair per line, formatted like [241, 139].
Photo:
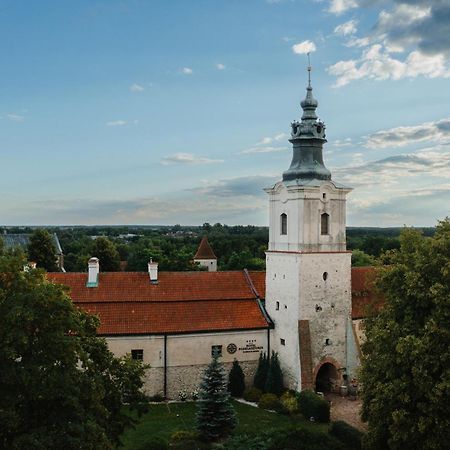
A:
[361, 259]
[60, 386]
[215, 414]
[261, 372]
[41, 250]
[348, 435]
[405, 372]
[269, 401]
[252, 394]
[155, 443]
[312, 405]
[274, 382]
[107, 253]
[236, 380]
[183, 435]
[289, 402]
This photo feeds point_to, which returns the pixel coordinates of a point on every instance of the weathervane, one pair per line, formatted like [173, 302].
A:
[309, 70]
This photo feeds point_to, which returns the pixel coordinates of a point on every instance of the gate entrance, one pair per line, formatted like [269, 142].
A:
[326, 378]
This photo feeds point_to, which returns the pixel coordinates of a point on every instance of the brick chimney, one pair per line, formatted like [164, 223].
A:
[153, 271]
[93, 271]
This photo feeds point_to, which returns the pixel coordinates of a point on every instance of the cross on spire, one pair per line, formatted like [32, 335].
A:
[309, 70]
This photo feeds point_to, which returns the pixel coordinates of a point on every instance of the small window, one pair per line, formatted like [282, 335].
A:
[282, 342]
[325, 276]
[137, 354]
[285, 306]
[277, 307]
[324, 196]
[283, 224]
[327, 341]
[216, 351]
[324, 225]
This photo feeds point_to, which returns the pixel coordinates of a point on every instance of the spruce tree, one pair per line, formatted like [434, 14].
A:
[259, 381]
[215, 414]
[274, 381]
[236, 380]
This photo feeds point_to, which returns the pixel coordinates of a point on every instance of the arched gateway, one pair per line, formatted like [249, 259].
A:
[327, 377]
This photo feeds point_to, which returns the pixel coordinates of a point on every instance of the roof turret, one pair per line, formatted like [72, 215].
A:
[204, 250]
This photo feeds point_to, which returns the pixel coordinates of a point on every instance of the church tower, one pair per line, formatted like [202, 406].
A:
[308, 269]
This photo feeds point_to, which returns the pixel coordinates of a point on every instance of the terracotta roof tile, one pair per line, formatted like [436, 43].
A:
[176, 317]
[259, 282]
[204, 250]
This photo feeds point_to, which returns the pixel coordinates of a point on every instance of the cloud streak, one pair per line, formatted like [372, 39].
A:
[188, 159]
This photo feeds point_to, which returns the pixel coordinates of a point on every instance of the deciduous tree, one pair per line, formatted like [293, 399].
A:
[60, 386]
[107, 253]
[41, 250]
[406, 364]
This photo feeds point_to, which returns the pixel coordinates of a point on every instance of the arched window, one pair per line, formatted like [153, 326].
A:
[283, 223]
[324, 225]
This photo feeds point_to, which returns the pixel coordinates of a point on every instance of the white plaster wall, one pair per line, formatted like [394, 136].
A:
[326, 303]
[188, 356]
[282, 285]
[304, 206]
[210, 264]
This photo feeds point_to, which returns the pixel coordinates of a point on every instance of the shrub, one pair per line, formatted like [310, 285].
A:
[259, 381]
[300, 439]
[157, 398]
[269, 401]
[312, 405]
[183, 435]
[155, 443]
[236, 380]
[182, 395]
[252, 394]
[274, 381]
[347, 434]
[289, 402]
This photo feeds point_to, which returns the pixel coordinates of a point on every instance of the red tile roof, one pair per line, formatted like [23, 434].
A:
[204, 250]
[259, 282]
[172, 286]
[176, 317]
[364, 297]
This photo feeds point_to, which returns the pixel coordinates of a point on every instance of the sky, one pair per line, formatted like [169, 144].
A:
[178, 112]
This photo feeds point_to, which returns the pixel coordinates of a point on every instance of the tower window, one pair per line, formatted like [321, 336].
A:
[324, 196]
[282, 342]
[277, 307]
[325, 276]
[283, 223]
[324, 223]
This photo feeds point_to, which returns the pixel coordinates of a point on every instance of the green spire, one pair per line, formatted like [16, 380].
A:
[307, 138]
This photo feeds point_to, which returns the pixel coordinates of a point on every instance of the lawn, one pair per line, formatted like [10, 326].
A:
[165, 418]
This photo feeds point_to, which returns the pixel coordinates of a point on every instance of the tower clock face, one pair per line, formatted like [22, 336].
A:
[319, 129]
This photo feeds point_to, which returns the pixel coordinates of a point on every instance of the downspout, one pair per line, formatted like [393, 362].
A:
[268, 342]
[165, 366]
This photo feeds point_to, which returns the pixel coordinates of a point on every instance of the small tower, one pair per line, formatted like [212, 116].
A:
[308, 269]
[205, 256]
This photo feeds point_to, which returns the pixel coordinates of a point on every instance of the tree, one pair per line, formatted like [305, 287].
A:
[41, 250]
[274, 381]
[215, 414]
[60, 386]
[236, 380]
[107, 253]
[259, 381]
[406, 365]
[361, 259]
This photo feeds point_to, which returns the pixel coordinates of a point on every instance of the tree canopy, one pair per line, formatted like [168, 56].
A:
[406, 363]
[60, 386]
[41, 250]
[106, 251]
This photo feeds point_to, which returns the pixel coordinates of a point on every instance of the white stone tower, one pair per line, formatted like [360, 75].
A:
[308, 270]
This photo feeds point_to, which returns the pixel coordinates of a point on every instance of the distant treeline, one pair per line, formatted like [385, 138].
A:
[173, 247]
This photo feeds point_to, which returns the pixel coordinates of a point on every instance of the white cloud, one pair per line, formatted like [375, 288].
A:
[339, 6]
[304, 47]
[116, 123]
[346, 28]
[135, 87]
[400, 136]
[263, 146]
[267, 149]
[188, 159]
[15, 117]
[187, 71]
[220, 66]
[377, 63]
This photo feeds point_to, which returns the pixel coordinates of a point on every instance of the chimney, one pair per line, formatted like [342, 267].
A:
[93, 271]
[153, 271]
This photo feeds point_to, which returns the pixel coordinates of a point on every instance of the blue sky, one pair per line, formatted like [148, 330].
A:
[164, 112]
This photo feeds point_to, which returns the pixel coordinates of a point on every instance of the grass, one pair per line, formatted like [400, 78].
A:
[165, 418]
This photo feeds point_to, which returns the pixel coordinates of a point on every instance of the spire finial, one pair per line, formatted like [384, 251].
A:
[309, 70]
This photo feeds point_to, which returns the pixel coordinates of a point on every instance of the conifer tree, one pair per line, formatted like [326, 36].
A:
[259, 381]
[215, 414]
[274, 381]
[236, 380]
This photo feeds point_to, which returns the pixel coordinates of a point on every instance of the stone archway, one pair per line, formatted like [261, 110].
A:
[327, 377]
